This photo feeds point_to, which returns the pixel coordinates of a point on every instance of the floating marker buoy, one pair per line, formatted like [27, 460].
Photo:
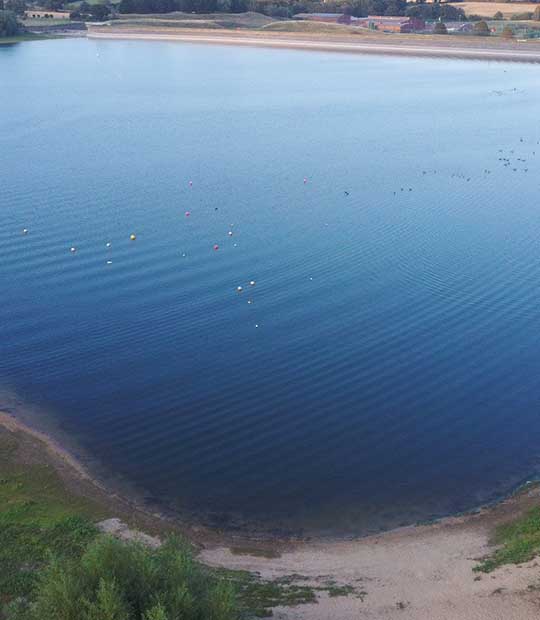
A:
[305, 180]
[239, 289]
[230, 233]
[252, 282]
[108, 244]
[188, 213]
[183, 255]
[250, 301]
[132, 237]
[25, 231]
[72, 249]
[191, 183]
[256, 325]
[109, 262]
[216, 247]
[235, 245]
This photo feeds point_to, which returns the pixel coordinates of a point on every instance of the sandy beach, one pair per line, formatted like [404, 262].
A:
[413, 573]
[421, 573]
[473, 48]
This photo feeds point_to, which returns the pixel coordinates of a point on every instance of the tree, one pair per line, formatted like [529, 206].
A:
[536, 14]
[17, 6]
[9, 25]
[481, 29]
[114, 580]
[440, 28]
[498, 15]
[53, 5]
[99, 11]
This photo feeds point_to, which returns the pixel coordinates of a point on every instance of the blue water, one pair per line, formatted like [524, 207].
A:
[387, 369]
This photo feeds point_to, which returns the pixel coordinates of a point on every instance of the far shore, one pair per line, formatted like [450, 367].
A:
[473, 48]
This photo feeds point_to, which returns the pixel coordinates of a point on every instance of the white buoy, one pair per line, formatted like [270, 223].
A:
[108, 244]
[109, 262]
[25, 231]
[252, 282]
[73, 249]
[250, 301]
[230, 233]
[256, 325]
[239, 289]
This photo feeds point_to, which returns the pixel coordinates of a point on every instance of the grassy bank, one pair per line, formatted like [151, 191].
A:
[37, 516]
[517, 542]
[47, 510]
[25, 37]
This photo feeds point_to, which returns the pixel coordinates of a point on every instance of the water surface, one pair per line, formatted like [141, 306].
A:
[387, 368]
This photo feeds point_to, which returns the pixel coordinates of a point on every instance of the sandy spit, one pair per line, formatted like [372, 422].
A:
[428, 46]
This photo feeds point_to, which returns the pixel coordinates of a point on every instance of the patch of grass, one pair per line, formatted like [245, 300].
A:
[24, 37]
[248, 20]
[257, 596]
[38, 516]
[310, 27]
[519, 542]
[336, 590]
[256, 552]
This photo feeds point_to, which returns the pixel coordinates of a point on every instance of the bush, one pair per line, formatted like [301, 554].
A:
[522, 16]
[114, 580]
[481, 29]
[440, 28]
[507, 33]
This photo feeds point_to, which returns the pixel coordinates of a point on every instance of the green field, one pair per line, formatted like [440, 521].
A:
[189, 20]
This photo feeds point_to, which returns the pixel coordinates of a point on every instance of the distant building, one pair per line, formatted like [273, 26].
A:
[374, 22]
[38, 13]
[391, 24]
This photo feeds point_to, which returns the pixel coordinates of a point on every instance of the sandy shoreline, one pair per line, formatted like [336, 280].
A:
[14, 425]
[494, 50]
[411, 573]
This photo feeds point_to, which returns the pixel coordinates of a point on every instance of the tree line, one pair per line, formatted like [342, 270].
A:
[290, 8]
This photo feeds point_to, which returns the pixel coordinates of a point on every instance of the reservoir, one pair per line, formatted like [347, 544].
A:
[380, 363]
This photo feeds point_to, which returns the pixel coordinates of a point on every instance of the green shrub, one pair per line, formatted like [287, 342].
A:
[114, 580]
[481, 29]
[440, 28]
